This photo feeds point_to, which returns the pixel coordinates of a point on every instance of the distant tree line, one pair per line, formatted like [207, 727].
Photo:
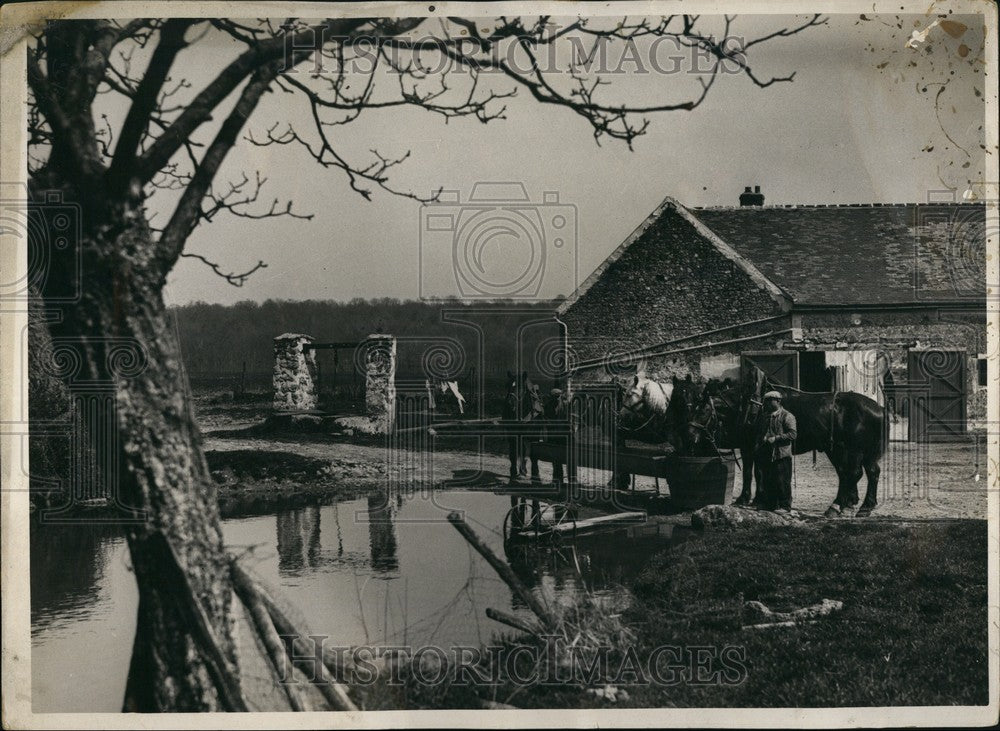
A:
[220, 340]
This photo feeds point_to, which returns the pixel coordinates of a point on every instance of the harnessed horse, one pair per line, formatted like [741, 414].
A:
[655, 412]
[849, 428]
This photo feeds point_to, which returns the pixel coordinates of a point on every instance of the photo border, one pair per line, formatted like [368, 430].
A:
[16, 20]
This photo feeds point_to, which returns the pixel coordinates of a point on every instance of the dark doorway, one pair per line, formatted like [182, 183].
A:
[813, 373]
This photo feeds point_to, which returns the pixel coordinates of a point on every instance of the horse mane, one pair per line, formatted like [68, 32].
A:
[655, 395]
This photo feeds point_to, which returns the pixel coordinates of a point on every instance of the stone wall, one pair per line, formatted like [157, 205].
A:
[294, 377]
[380, 381]
[294, 380]
[671, 282]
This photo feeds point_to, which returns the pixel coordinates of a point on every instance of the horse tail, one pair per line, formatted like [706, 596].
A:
[872, 424]
[884, 444]
[878, 446]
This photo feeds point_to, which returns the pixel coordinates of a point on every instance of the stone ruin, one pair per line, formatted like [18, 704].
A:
[295, 376]
[380, 381]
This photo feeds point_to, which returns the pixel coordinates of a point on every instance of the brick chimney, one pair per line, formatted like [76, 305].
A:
[751, 198]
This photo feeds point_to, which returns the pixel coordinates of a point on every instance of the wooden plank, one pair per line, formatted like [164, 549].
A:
[631, 462]
[601, 521]
[449, 427]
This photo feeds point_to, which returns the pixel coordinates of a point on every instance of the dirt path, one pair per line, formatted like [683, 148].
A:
[918, 481]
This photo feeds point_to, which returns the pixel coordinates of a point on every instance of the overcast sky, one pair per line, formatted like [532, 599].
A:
[854, 126]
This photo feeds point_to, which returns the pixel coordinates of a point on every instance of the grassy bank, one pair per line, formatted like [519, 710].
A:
[913, 630]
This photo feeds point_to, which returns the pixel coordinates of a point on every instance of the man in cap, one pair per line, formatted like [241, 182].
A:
[775, 432]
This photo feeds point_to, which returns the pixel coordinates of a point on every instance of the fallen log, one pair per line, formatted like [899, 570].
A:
[505, 572]
[772, 625]
[250, 596]
[341, 667]
[511, 621]
[300, 653]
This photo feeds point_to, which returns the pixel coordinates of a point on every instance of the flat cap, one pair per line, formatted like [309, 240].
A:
[773, 394]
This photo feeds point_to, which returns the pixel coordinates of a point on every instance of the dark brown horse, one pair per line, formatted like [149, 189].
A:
[849, 428]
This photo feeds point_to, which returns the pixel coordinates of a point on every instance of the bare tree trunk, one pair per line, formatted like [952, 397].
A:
[184, 657]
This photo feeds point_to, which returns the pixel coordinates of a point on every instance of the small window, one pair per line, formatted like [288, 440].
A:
[982, 361]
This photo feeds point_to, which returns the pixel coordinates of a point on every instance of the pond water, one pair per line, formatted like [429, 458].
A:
[369, 571]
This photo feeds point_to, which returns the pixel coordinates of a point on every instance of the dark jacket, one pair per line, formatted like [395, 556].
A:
[781, 425]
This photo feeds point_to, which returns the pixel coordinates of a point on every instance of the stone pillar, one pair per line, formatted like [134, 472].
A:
[294, 375]
[380, 381]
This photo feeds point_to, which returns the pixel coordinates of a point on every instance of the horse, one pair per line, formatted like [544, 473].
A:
[655, 412]
[724, 416]
[523, 403]
[849, 428]
[449, 393]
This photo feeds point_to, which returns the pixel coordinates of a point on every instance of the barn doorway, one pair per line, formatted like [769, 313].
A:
[780, 366]
[938, 411]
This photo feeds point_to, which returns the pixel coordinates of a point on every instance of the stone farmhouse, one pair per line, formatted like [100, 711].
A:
[888, 300]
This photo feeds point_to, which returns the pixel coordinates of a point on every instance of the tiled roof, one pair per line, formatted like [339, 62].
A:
[881, 254]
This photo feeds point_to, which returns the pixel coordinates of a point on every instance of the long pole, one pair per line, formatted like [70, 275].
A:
[505, 571]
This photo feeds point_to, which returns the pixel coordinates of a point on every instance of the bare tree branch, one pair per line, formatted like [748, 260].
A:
[222, 85]
[464, 68]
[239, 196]
[237, 280]
[144, 100]
[187, 213]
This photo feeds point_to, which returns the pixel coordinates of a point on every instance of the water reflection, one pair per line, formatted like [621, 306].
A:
[298, 539]
[382, 534]
[382, 572]
[83, 607]
[301, 549]
[67, 568]
[593, 562]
